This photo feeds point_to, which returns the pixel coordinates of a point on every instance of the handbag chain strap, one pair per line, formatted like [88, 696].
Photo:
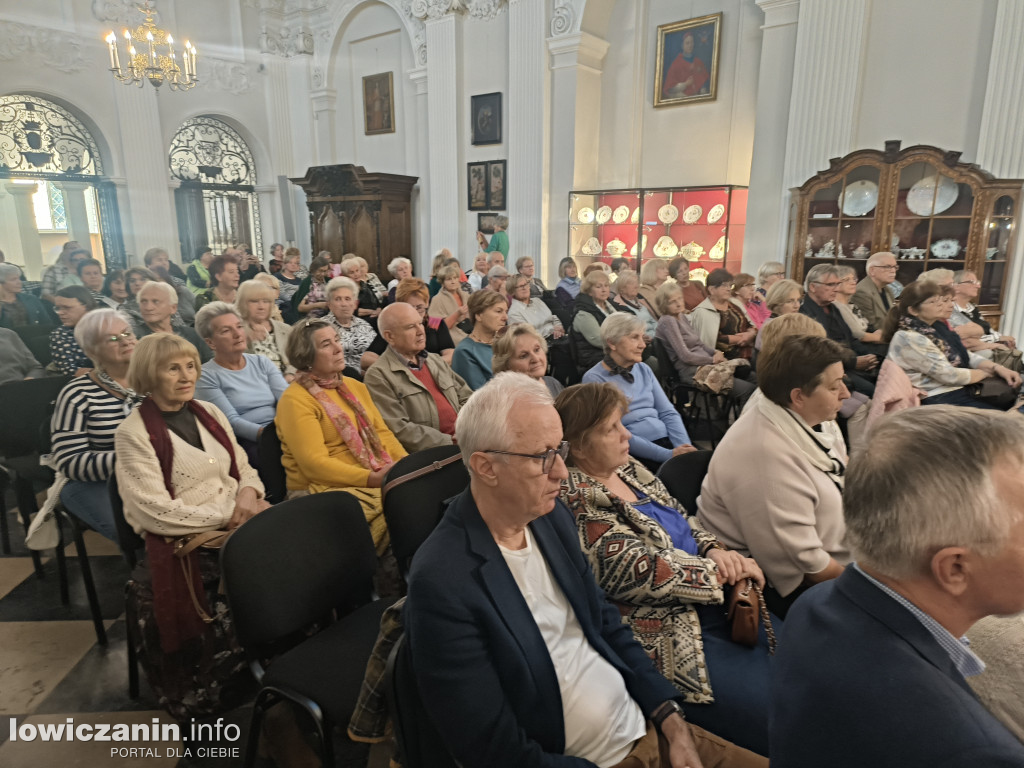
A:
[769, 630]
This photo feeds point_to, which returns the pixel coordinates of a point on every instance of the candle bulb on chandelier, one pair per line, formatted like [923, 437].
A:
[152, 51]
[111, 44]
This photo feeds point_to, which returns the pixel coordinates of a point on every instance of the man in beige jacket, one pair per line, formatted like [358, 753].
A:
[874, 297]
[417, 393]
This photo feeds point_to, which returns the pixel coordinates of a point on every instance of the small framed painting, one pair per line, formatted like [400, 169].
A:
[687, 61]
[496, 185]
[379, 104]
[485, 113]
[485, 222]
[477, 178]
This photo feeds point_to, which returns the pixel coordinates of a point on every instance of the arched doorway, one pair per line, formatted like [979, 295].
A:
[53, 189]
[216, 203]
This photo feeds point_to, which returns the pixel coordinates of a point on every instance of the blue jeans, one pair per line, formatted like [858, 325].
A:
[90, 503]
[740, 681]
[959, 396]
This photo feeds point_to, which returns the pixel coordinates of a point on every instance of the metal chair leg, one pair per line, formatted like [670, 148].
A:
[62, 564]
[5, 533]
[26, 505]
[90, 586]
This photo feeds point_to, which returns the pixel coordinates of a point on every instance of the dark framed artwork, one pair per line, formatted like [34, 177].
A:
[496, 185]
[485, 113]
[687, 62]
[485, 222]
[477, 181]
[379, 104]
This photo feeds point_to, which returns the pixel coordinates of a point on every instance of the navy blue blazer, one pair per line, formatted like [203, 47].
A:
[860, 682]
[482, 666]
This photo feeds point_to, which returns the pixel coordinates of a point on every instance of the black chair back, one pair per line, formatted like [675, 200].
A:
[413, 508]
[293, 564]
[271, 470]
[129, 541]
[683, 475]
[26, 405]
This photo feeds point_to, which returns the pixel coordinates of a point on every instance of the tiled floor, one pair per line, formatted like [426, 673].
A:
[52, 669]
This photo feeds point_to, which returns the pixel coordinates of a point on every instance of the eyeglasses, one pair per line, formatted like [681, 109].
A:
[776, 274]
[969, 282]
[884, 266]
[827, 285]
[547, 459]
[125, 335]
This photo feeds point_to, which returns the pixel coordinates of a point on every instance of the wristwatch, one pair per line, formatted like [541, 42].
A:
[665, 710]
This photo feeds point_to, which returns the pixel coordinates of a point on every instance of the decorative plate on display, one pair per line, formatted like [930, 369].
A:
[692, 214]
[945, 249]
[616, 247]
[592, 247]
[668, 214]
[585, 216]
[666, 248]
[920, 195]
[643, 246]
[719, 249]
[700, 274]
[635, 218]
[692, 251]
[621, 214]
[603, 214]
[859, 198]
[716, 213]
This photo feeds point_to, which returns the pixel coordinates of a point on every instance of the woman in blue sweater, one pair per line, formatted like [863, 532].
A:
[655, 426]
[472, 359]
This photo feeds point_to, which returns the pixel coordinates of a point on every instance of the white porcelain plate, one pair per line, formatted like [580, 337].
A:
[620, 214]
[945, 249]
[921, 194]
[666, 248]
[635, 218]
[604, 213]
[716, 213]
[719, 249]
[699, 274]
[643, 246]
[668, 214]
[616, 247]
[692, 251]
[585, 216]
[692, 214]
[592, 247]
[859, 198]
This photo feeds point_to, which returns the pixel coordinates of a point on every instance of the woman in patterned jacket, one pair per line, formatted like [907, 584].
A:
[665, 572]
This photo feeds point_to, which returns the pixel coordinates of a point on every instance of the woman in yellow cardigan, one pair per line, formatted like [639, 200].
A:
[332, 435]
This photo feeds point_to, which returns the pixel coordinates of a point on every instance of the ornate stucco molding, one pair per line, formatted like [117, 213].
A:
[224, 75]
[286, 42]
[59, 50]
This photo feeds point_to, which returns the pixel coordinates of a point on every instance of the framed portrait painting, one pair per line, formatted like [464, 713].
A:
[485, 222]
[477, 180]
[496, 185]
[379, 104]
[485, 113]
[687, 62]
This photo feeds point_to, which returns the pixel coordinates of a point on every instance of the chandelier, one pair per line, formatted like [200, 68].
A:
[157, 61]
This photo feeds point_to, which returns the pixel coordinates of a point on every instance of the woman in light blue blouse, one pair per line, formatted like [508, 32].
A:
[472, 359]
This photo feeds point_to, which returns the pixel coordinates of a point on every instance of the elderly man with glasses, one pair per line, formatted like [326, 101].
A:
[874, 298]
[974, 330]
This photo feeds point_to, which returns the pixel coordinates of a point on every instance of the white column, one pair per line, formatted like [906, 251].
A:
[9, 226]
[31, 247]
[323, 102]
[575, 99]
[528, 149]
[444, 42]
[420, 199]
[74, 210]
[150, 221]
[280, 149]
[766, 205]
[830, 45]
[1001, 141]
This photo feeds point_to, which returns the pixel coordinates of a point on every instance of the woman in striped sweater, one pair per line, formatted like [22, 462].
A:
[89, 410]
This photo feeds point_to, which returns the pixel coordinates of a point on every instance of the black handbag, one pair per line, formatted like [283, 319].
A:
[994, 391]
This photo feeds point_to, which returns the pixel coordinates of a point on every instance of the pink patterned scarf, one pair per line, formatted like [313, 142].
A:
[361, 438]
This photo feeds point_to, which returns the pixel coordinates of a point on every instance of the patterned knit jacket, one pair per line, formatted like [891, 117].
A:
[653, 584]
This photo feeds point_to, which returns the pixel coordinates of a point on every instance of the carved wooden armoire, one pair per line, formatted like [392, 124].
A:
[352, 211]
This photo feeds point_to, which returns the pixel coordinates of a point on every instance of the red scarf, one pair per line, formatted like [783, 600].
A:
[176, 616]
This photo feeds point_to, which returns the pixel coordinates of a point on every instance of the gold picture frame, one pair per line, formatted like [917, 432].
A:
[379, 104]
[685, 76]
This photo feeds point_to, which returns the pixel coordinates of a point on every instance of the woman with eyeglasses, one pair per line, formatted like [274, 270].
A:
[933, 356]
[860, 326]
[88, 412]
[71, 304]
[744, 292]
[768, 274]
[721, 321]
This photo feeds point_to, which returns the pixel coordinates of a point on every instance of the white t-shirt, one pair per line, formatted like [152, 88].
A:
[602, 721]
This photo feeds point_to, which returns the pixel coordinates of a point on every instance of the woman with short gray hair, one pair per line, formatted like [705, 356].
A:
[245, 387]
[655, 427]
[355, 333]
[768, 274]
[158, 308]
[399, 269]
[18, 308]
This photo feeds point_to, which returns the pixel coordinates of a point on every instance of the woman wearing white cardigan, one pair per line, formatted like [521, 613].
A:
[784, 507]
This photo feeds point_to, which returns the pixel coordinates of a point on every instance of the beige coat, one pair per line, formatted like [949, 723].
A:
[442, 305]
[406, 405]
[868, 300]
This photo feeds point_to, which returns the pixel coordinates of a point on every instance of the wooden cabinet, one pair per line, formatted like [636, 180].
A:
[352, 211]
[921, 203]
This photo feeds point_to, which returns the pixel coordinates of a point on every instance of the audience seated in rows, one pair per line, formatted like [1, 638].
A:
[18, 308]
[721, 321]
[768, 274]
[785, 507]
[744, 292]
[66, 356]
[662, 570]
[332, 435]
[525, 308]
[653, 275]
[568, 287]
[523, 350]
[501, 593]
[935, 518]
[266, 336]
[87, 414]
[526, 267]
[16, 360]
[310, 300]
[627, 296]
[399, 269]
[243, 386]
[497, 281]
[224, 281]
[694, 291]
[115, 288]
[591, 308]
[873, 296]
[355, 333]
[933, 356]
[90, 272]
[477, 277]
[290, 278]
[450, 303]
[472, 359]
[180, 472]
[655, 426]
[861, 328]
[783, 298]
[62, 273]
[687, 352]
[157, 308]
[416, 392]
[159, 263]
[413, 291]
[197, 276]
[372, 292]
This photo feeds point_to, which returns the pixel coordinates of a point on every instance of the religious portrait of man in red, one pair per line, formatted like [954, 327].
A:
[687, 61]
